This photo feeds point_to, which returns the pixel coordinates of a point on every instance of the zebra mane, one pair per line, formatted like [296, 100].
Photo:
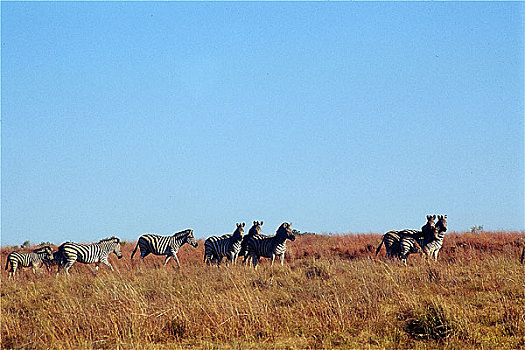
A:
[282, 229]
[113, 238]
[42, 249]
[182, 233]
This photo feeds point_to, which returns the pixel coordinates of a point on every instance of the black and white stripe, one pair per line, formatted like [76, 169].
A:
[392, 241]
[93, 253]
[164, 245]
[433, 245]
[17, 260]
[229, 246]
[255, 230]
[407, 245]
[402, 243]
[270, 247]
[58, 260]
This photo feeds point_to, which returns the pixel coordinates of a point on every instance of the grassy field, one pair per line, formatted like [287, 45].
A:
[331, 293]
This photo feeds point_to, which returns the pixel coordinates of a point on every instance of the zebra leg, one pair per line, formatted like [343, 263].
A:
[12, 270]
[281, 259]
[166, 260]
[246, 261]
[68, 265]
[254, 261]
[105, 262]
[273, 259]
[176, 260]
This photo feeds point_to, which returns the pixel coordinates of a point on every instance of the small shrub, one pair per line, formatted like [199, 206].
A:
[431, 323]
[176, 328]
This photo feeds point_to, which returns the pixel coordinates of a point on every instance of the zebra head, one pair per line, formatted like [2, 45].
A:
[116, 248]
[285, 230]
[190, 239]
[441, 225]
[239, 231]
[45, 252]
[255, 229]
[429, 227]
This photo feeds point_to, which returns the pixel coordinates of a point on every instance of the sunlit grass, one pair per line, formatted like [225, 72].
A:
[331, 292]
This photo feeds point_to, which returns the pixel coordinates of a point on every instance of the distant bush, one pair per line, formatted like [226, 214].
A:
[476, 229]
[299, 233]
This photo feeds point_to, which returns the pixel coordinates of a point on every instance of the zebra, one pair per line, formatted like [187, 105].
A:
[432, 248]
[229, 246]
[272, 246]
[427, 230]
[56, 261]
[397, 246]
[164, 245]
[407, 245]
[17, 260]
[93, 253]
[392, 239]
[255, 230]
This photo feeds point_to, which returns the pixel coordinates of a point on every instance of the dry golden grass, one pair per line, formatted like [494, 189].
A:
[331, 293]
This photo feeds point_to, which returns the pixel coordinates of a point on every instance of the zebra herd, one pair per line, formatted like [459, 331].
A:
[429, 240]
[251, 247]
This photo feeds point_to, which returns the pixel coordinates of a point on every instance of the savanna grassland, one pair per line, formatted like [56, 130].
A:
[331, 293]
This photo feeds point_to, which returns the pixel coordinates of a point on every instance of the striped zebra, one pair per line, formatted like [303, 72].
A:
[229, 246]
[94, 253]
[272, 246]
[56, 261]
[401, 243]
[432, 247]
[392, 240]
[255, 230]
[427, 230]
[407, 245]
[17, 260]
[164, 245]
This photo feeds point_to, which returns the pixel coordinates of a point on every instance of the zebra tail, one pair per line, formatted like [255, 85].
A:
[135, 250]
[7, 264]
[380, 245]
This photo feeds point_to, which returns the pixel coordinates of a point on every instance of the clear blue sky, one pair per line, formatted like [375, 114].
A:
[125, 118]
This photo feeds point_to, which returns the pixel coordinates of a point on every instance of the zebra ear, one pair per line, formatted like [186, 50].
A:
[243, 224]
[261, 223]
[434, 217]
[255, 222]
